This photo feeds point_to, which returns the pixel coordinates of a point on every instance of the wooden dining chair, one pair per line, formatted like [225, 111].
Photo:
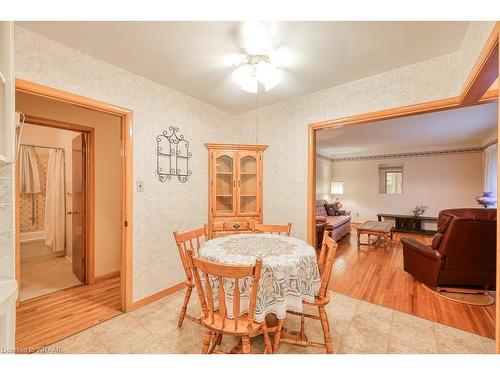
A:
[325, 264]
[214, 319]
[272, 228]
[185, 241]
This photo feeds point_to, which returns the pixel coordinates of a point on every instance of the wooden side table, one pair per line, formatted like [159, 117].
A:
[380, 229]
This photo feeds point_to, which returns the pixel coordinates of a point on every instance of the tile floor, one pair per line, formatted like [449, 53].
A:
[40, 277]
[356, 327]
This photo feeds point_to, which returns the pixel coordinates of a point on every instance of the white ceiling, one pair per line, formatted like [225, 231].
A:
[458, 128]
[196, 58]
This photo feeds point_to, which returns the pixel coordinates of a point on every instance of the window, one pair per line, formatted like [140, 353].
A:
[390, 178]
[393, 182]
[491, 169]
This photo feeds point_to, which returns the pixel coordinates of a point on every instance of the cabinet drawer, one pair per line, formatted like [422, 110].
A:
[236, 225]
[233, 225]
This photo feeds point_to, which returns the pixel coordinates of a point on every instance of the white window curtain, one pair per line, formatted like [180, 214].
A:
[491, 169]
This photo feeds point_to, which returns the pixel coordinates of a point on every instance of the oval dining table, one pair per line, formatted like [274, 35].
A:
[290, 273]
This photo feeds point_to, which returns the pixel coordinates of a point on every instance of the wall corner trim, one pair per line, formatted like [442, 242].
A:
[106, 276]
[156, 296]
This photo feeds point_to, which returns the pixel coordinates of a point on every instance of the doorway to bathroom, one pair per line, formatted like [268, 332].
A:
[97, 201]
[53, 166]
[77, 219]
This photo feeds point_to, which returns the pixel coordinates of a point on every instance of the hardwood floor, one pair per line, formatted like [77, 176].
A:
[44, 320]
[376, 275]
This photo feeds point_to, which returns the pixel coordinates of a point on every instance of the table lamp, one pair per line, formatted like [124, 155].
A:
[337, 189]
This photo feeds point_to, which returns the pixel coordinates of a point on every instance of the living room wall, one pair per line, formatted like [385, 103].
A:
[438, 181]
[324, 177]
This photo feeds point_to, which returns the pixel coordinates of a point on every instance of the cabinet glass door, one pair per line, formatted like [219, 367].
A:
[248, 184]
[224, 184]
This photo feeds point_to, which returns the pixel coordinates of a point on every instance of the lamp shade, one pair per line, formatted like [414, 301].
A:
[337, 187]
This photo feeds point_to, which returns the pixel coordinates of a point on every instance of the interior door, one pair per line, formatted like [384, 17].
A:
[78, 212]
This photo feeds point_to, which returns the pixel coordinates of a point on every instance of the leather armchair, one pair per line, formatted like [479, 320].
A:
[462, 253]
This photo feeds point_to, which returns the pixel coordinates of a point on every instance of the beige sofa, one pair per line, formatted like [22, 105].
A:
[338, 226]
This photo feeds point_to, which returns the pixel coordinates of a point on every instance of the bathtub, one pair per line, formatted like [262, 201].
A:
[33, 247]
[28, 237]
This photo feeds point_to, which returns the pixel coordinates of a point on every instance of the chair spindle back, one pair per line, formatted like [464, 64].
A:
[325, 262]
[193, 239]
[273, 228]
[213, 277]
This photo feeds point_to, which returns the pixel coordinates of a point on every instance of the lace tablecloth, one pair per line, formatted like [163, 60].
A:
[289, 275]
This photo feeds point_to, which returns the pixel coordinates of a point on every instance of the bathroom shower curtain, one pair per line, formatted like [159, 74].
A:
[55, 209]
[30, 178]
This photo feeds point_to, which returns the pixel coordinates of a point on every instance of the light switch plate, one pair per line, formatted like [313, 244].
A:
[140, 186]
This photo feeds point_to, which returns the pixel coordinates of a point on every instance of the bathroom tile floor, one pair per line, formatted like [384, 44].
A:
[356, 327]
[40, 277]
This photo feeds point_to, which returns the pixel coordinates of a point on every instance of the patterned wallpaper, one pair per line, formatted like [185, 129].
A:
[476, 36]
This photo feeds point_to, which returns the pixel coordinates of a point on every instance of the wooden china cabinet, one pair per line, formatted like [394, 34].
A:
[234, 187]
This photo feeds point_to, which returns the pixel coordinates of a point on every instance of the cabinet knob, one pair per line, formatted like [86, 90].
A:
[236, 226]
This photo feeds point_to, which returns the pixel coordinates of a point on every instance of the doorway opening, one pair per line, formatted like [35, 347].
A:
[72, 214]
[481, 87]
[52, 213]
[389, 183]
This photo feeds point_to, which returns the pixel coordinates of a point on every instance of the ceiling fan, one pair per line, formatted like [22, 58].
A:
[258, 66]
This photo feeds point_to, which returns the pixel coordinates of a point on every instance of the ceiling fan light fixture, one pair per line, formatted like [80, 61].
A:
[255, 69]
[268, 74]
[250, 85]
[244, 76]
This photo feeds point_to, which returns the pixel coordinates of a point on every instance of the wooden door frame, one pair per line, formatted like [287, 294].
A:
[125, 116]
[475, 91]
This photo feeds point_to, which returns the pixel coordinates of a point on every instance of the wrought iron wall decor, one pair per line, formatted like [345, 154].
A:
[172, 156]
